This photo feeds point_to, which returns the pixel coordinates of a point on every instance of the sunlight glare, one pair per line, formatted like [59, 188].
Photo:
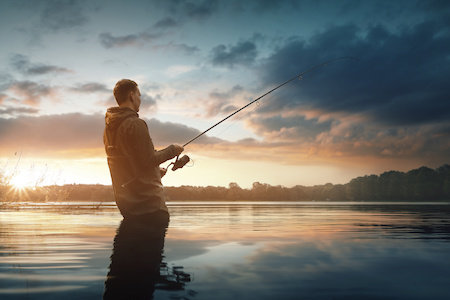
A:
[23, 180]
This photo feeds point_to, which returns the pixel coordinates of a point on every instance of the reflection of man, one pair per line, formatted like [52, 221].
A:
[135, 262]
[137, 266]
[132, 158]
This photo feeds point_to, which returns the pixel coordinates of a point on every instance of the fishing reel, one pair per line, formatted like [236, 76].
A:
[179, 163]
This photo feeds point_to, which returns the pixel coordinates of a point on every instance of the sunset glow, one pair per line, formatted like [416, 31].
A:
[21, 181]
[196, 62]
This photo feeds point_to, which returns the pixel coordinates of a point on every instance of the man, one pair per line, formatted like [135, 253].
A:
[132, 158]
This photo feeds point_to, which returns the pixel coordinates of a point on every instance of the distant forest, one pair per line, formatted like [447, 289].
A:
[422, 184]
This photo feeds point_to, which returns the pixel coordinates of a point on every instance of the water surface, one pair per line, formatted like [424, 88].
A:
[230, 250]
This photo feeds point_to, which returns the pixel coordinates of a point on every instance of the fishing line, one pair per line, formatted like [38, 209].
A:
[299, 76]
[201, 146]
[262, 96]
[257, 105]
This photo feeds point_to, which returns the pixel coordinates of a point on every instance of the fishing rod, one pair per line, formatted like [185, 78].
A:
[260, 97]
[179, 163]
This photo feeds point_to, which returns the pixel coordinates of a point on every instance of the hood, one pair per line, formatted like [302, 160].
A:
[115, 115]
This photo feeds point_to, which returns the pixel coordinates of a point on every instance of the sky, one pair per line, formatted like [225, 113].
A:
[196, 62]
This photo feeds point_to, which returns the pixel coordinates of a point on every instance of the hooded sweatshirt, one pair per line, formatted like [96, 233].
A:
[134, 163]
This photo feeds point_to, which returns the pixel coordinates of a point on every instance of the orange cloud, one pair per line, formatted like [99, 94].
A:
[32, 93]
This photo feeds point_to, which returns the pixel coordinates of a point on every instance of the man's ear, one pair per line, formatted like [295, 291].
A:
[131, 96]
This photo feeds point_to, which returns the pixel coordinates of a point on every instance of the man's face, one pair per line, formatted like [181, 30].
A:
[136, 96]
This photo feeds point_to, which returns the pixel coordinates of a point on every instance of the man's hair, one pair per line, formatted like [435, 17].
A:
[122, 90]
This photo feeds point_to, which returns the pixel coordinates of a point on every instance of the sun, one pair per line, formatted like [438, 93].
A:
[22, 180]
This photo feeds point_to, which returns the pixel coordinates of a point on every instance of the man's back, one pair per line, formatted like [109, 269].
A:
[134, 163]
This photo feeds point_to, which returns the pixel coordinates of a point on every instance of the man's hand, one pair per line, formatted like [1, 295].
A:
[178, 149]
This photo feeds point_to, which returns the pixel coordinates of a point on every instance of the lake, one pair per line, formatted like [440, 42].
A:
[228, 250]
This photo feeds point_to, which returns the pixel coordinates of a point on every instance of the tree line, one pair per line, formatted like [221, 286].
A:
[422, 184]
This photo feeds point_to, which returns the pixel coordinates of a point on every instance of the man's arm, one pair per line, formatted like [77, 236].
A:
[145, 149]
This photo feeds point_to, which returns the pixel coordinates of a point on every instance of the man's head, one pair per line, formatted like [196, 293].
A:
[127, 94]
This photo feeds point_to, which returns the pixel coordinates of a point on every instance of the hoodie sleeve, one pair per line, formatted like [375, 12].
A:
[146, 155]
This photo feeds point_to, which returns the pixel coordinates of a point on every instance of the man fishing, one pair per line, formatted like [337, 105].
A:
[132, 159]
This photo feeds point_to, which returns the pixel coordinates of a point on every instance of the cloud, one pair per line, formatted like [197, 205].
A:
[63, 14]
[289, 128]
[77, 135]
[220, 102]
[63, 135]
[391, 104]
[165, 133]
[243, 53]
[301, 142]
[179, 13]
[142, 39]
[92, 87]
[183, 48]
[109, 41]
[149, 103]
[403, 87]
[14, 111]
[346, 140]
[22, 64]
[2, 98]
[272, 6]
[31, 93]
[192, 10]
[96, 88]
[166, 23]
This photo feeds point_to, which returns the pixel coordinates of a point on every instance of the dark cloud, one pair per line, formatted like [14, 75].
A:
[15, 111]
[110, 41]
[290, 128]
[149, 103]
[439, 7]
[178, 14]
[92, 87]
[166, 23]
[271, 6]
[400, 78]
[390, 104]
[77, 135]
[182, 48]
[42, 69]
[5, 82]
[63, 14]
[165, 133]
[243, 53]
[143, 39]
[55, 135]
[193, 10]
[22, 64]
[219, 102]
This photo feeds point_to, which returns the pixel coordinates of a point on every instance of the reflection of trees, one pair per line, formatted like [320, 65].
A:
[136, 268]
